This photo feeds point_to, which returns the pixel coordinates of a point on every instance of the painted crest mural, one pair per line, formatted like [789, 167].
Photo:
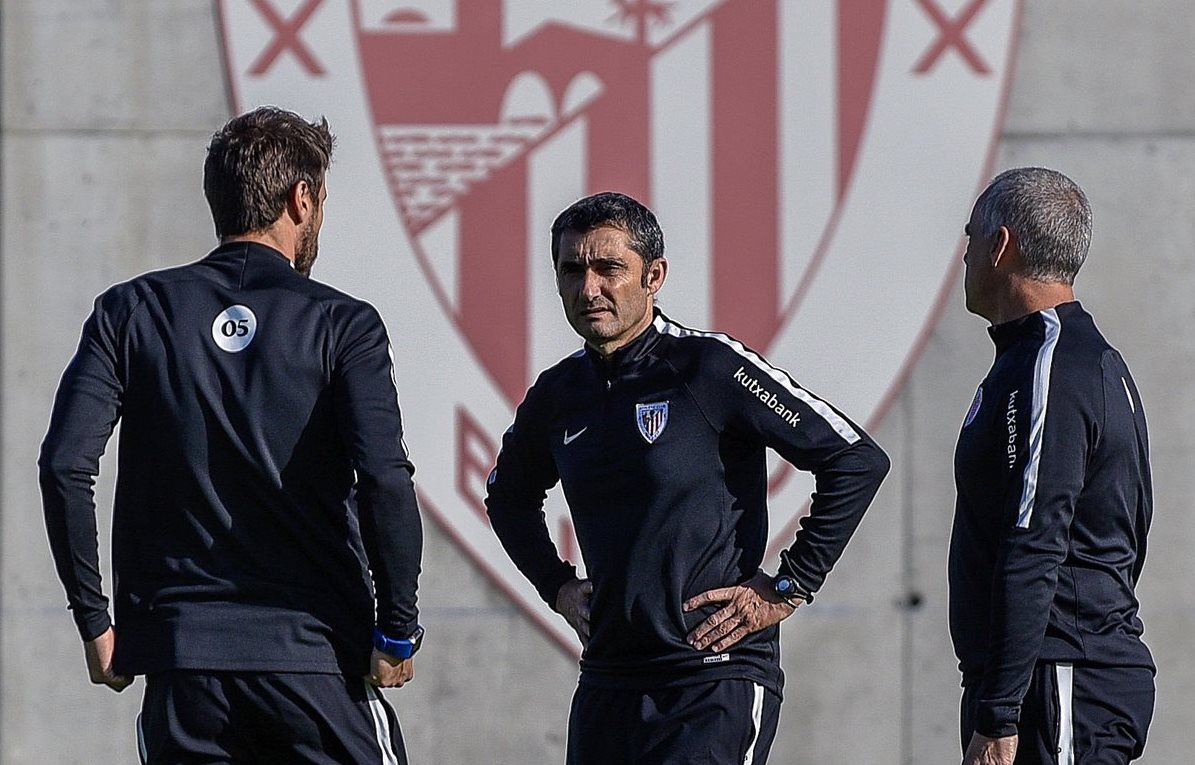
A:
[810, 161]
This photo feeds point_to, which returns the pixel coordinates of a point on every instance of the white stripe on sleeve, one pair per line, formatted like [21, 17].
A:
[821, 408]
[1041, 395]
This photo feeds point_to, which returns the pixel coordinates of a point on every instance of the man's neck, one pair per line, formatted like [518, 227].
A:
[1026, 296]
[606, 350]
[273, 237]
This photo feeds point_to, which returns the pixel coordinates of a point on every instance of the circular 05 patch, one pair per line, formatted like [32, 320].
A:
[234, 328]
[974, 410]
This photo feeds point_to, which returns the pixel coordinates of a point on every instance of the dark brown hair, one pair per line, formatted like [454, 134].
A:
[254, 161]
[610, 208]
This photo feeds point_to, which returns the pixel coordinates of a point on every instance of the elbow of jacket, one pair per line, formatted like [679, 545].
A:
[500, 522]
[878, 463]
[379, 488]
[883, 464]
[494, 515]
[56, 467]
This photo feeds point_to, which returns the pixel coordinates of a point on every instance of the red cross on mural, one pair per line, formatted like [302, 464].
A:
[952, 36]
[286, 37]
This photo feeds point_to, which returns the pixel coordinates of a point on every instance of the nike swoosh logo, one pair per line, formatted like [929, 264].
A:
[569, 439]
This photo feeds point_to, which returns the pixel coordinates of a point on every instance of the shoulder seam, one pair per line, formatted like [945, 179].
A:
[692, 394]
[123, 332]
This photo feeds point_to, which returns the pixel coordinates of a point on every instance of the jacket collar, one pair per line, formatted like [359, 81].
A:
[255, 250]
[1029, 326]
[630, 356]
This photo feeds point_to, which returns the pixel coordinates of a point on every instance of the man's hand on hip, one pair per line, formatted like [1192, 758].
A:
[750, 607]
[572, 602]
[386, 671]
[98, 653]
[991, 751]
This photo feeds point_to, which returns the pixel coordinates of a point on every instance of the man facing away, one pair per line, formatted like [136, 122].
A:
[253, 401]
[1054, 500]
[658, 434]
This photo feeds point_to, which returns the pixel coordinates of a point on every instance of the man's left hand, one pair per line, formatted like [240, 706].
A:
[386, 671]
[991, 751]
[750, 607]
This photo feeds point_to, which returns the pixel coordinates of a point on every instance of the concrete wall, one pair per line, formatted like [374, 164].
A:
[106, 108]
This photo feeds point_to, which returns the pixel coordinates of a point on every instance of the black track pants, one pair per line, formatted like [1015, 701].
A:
[713, 723]
[1075, 715]
[229, 718]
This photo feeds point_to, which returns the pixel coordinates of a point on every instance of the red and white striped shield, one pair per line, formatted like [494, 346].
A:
[810, 161]
[651, 419]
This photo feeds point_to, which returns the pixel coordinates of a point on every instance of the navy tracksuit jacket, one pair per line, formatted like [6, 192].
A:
[252, 401]
[661, 453]
[1054, 504]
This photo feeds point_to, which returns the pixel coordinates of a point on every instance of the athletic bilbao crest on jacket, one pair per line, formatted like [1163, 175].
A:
[651, 419]
[811, 163]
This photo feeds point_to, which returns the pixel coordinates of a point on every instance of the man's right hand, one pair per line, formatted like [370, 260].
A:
[98, 653]
[572, 602]
[991, 751]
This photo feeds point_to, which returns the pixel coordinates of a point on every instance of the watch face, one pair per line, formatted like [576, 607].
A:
[784, 585]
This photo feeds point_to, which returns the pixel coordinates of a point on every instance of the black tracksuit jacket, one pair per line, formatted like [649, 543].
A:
[669, 503]
[1054, 504]
[235, 545]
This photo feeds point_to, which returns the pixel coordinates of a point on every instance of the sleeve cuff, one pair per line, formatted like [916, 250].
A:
[398, 630]
[551, 588]
[787, 568]
[92, 624]
[997, 720]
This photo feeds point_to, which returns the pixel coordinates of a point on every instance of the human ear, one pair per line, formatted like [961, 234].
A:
[657, 271]
[299, 202]
[1002, 244]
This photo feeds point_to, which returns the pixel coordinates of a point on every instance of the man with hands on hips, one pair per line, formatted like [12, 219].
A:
[658, 434]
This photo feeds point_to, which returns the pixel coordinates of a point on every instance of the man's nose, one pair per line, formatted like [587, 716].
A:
[591, 285]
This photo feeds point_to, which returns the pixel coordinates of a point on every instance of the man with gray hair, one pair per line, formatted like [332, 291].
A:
[1054, 500]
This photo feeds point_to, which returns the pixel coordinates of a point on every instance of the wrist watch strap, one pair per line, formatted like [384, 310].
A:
[400, 648]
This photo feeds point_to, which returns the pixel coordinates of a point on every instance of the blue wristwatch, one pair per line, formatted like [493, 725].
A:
[787, 588]
[399, 649]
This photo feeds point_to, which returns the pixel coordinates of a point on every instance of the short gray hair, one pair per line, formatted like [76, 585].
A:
[1047, 213]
